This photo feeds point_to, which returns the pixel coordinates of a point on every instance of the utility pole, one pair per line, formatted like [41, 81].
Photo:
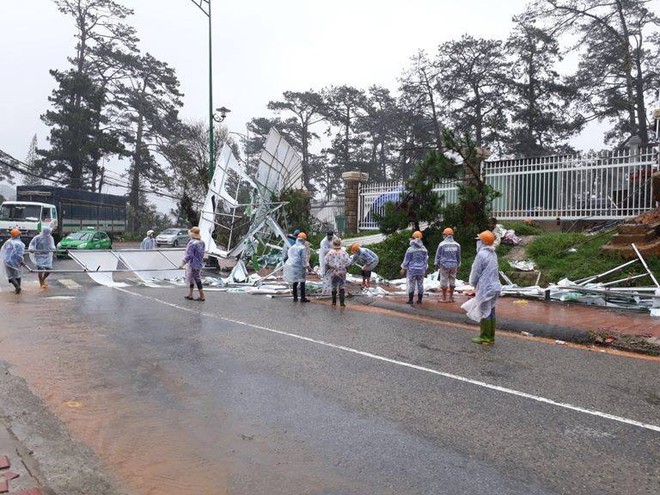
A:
[205, 7]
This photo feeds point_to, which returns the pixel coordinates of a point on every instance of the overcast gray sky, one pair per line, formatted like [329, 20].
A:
[261, 48]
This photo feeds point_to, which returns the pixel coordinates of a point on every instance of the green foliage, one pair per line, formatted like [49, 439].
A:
[419, 202]
[471, 213]
[297, 211]
[390, 253]
[394, 218]
[77, 138]
[524, 228]
[185, 211]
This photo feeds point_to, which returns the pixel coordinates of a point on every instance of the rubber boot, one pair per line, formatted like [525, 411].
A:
[334, 298]
[295, 292]
[302, 293]
[483, 336]
[13, 282]
[419, 298]
[18, 286]
[491, 331]
[410, 298]
[444, 294]
[342, 297]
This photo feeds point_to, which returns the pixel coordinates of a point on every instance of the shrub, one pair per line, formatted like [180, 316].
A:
[524, 228]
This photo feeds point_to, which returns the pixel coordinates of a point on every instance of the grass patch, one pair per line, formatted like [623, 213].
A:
[524, 228]
[551, 254]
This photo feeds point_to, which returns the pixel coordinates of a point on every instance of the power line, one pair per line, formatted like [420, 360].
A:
[13, 164]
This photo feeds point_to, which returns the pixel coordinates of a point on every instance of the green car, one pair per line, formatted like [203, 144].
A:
[84, 239]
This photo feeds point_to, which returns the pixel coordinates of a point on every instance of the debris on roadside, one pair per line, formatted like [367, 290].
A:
[523, 266]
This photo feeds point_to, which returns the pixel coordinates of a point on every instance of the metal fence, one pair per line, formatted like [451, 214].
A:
[327, 212]
[600, 186]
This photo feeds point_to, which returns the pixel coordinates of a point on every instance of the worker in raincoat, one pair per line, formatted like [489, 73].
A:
[295, 268]
[414, 265]
[148, 243]
[336, 263]
[484, 277]
[194, 259]
[325, 247]
[41, 251]
[12, 259]
[368, 259]
[447, 261]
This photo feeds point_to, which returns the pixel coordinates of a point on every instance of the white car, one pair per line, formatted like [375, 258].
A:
[173, 237]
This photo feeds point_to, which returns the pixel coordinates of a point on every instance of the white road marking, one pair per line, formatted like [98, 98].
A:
[471, 381]
[70, 284]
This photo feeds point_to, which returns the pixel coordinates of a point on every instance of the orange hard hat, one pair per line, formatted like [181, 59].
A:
[302, 235]
[487, 237]
[417, 234]
[354, 248]
[448, 231]
[15, 232]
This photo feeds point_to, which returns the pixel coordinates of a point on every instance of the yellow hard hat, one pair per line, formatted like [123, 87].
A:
[417, 234]
[302, 235]
[354, 247]
[448, 231]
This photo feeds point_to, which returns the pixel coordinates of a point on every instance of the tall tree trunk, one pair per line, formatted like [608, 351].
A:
[134, 197]
[479, 119]
[643, 131]
[627, 64]
[436, 125]
[305, 156]
[347, 133]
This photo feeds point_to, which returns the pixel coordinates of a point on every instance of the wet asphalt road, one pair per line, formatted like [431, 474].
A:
[252, 395]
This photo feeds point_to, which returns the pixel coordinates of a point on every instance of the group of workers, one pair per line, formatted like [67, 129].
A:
[12, 253]
[484, 275]
[334, 262]
[333, 265]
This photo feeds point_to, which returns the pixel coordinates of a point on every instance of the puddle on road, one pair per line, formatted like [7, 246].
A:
[151, 448]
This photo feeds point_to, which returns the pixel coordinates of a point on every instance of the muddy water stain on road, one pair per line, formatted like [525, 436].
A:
[155, 447]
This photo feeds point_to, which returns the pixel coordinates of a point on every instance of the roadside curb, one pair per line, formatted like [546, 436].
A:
[42, 450]
[633, 343]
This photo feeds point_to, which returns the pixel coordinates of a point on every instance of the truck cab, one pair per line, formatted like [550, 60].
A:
[29, 217]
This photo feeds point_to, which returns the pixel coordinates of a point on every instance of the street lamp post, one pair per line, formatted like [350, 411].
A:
[205, 7]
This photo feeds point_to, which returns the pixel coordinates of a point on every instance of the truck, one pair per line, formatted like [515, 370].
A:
[64, 210]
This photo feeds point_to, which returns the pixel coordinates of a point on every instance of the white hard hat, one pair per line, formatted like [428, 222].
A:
[149, 232]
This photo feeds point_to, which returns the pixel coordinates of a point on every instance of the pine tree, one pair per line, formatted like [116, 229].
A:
[149, 101]
[31, 162]
[76, 137]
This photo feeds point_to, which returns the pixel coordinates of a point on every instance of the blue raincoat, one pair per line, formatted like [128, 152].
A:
[416, 259]
[448, 254]
[12, 257]
[485, 278]
[42, 248]
[295, 268]
[148, 243]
